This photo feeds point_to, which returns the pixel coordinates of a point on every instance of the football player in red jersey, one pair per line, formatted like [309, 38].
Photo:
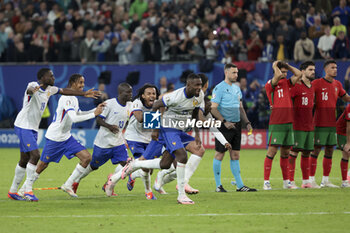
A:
[327, 91]
[343, 136]
[281, 118]
[303, 102]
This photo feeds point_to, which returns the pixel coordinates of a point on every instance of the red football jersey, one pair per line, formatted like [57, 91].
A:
[303, 101]
[280, 101]
[341, 122]
[326, 95]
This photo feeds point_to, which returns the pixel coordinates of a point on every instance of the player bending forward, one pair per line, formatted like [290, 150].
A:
[59, 140]
[109, 141]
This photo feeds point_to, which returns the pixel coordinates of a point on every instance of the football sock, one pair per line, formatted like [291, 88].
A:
[169, 177]
[87, 171]
[135, 174]
[116, 177]
[327, 165]
[291, 166]
[78, 171]
[284, 167]
[305, 168]
[236, 171]
[30, 177]
[344, 168]
[146, 179]
[191, 166]
[217, 172]
[313, 164]
[148, 164]
[17, 179]
[180, 172]
[118, 168]
[267, 167]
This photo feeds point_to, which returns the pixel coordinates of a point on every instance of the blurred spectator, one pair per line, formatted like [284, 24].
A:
[148, 47]
[141, 30]
[316, 30]
[280, 50]
[138, 7]
[241, 50]
[267, 54]
[27, 34]
[337, 27]
[310, 17]
[163, 85]
[223, 28]
[196, 51]
[20, 54]
[210, 47]
[287, 31]
[64, 49]
[87, 21]
[100, 46]
[281, 9]
[235, 32]
[223, 45]
[341, 47]
[53, 14]
[185, 46]
[121, 49]
[304, 48]
[134, 49]
[173, 45]
[325, 44]
[75, 47]
[248, 26]
[160, 45]
[3, 42]
[192, 29]
[254, 46]
[343, 12]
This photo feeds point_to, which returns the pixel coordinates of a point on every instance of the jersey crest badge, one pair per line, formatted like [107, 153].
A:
[195, 103]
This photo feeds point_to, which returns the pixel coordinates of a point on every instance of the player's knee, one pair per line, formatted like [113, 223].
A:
[165, 164]
[86, 160]
[201, 151]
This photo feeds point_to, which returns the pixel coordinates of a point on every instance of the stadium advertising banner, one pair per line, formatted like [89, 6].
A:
[257, 140]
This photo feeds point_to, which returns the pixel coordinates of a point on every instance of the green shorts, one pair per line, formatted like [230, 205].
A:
[303, 140]
[325, 136]
[341, 141]
[281, 135]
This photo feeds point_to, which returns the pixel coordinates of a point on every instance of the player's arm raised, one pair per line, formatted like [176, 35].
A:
[296, 74]
[79, 118]
[32, 90]
[277, 74]
[89, 93]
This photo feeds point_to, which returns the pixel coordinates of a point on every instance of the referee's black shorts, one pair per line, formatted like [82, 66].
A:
[233, 136]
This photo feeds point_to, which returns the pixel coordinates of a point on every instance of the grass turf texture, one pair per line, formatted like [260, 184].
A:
[323, 210]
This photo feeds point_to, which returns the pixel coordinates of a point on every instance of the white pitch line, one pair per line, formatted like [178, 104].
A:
[175, 215]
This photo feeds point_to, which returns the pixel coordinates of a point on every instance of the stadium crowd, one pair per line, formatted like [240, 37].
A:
[127, 31]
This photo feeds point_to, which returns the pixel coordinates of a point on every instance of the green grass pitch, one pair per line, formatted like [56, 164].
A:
[323, 210]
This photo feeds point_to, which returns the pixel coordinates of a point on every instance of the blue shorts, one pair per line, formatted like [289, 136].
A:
[174, 139]
[154, 149]
[137, 148]
[101, 155]
[27, 139]
[53, 151]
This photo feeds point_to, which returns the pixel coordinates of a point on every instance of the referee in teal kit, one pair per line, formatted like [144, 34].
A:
[227, 107]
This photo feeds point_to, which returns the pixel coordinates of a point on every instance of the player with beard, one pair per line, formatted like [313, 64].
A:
[303, 102]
